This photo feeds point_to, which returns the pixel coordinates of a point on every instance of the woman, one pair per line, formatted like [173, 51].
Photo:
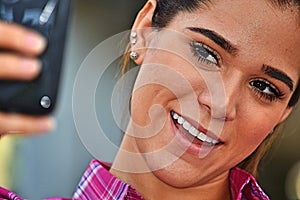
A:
[216, 79]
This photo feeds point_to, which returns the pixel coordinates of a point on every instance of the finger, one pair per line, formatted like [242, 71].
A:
[13, 67]
[21, 124]
[17, 38]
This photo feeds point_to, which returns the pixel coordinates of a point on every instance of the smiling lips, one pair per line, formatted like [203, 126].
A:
[193, 131]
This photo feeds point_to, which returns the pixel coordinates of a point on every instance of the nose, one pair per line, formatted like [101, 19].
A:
[220, 98]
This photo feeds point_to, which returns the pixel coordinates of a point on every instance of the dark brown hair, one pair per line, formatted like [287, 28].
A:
[166, 10]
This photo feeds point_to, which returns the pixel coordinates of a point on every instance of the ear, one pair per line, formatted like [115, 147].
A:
[286, 113]
[143, 27]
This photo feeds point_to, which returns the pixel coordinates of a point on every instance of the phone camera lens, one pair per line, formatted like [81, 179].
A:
[45, 102]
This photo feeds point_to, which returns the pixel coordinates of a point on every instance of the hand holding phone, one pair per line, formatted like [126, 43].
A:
[22, 58]
[24, 45]
[50, 19]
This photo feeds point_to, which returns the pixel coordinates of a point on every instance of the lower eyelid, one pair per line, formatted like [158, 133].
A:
[277, 96]
[263, 96]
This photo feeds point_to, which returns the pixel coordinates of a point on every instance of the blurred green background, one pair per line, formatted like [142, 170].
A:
[51, 165]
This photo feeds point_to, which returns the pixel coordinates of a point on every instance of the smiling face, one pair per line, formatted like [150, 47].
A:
[212, 87]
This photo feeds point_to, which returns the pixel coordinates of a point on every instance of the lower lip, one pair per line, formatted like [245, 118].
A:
[188, 142]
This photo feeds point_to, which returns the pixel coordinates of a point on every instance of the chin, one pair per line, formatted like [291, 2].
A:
[176, 179]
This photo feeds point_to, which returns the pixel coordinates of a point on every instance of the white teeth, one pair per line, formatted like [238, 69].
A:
[187, 126]
[202, 137]
[180, 120]
[209, 140]
[175, 116]
[192, 130]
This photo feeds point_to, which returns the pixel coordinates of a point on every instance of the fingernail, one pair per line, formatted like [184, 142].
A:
[35, 42]
[30, 66]
[47, 125]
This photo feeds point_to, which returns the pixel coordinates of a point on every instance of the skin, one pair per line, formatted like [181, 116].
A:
[21, 63]
[262, 36]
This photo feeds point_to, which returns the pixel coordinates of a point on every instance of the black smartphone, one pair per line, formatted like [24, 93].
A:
[50, 18]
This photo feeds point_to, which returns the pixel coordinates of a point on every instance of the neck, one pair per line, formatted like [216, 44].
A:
[145, 182]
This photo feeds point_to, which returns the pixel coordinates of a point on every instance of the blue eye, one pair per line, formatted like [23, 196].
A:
[204, 53]
[266, 90]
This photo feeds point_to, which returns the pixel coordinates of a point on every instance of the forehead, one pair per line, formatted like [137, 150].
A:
[260, 29]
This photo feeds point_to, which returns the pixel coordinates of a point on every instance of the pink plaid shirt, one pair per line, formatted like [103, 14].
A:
[98, 183]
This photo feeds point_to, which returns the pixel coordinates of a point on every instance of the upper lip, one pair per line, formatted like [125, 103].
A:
[200, 128]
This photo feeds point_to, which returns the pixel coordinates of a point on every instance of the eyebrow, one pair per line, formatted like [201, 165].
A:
[277, 74]
[232, 49]
[217, 38]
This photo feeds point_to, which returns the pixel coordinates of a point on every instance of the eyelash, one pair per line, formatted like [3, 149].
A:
[199, 48]
[276, 94]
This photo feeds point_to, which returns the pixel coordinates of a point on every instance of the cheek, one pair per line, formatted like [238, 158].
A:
[253, 137]
[162, 79]
[255, 125]
[250, 133]
[144, 104]
[150, 104]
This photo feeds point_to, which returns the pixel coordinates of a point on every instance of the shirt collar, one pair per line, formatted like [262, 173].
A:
[244, 186]
[98, 183]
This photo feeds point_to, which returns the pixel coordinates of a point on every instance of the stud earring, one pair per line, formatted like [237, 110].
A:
[133, 34]
[134, 55]
[133, 37]
[133, 41]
